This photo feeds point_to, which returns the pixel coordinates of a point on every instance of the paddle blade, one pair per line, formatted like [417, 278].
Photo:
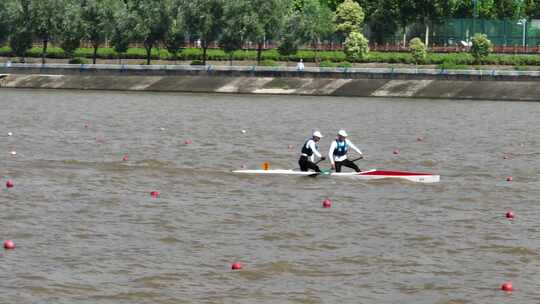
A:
[326, 171]
[266, 166]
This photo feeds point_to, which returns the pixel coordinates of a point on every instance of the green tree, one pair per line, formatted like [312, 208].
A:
[6, 20]
[21, 36]
[121, 31]
[176, 34]
[98, 21]
[268, 17]
[315, 23]
[71, 29]
[151, 20]
[432, 11]
[349, 17]
[406, 16]
[236, 21]
[507, 9]
[175, 38]
[332, 4]
[465, 9]
[204, 20]
[418, 50]
[356, 46]
[46, 16]
[384, 20]
[481, 47]
[21, 41]
[288, 44]
[532, 9]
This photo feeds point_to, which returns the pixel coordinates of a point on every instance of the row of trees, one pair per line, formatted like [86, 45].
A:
[163, 22]
[232, 23]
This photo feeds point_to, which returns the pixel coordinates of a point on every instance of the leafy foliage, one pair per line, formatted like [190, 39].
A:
[349, 17]
[315, 23]
[356, 46]
[481, 47]
[418, 50]
[150, 20]
[71, 29]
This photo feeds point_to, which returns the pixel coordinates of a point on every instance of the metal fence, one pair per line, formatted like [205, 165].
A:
[504, 33]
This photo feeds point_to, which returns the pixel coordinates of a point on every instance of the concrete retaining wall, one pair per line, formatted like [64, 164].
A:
[494, 85]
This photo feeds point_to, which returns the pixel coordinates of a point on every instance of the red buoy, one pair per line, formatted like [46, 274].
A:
[9, 183]
[419, 139]
[396, 151]
[125, 158]
[86, 126]
[327, 203]
[236, 266]
[9, 244]
[290, 147]
[509, 179]
[154, 194]
[510, 215]
[507, 286]
[188, 142]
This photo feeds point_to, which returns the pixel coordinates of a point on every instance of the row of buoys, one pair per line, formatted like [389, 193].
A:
[510, 215]
[327, 203]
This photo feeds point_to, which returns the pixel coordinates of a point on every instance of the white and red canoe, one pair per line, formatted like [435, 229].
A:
[416, 177]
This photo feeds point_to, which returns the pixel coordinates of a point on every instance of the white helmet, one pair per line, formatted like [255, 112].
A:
[317, 134]
[342, 133]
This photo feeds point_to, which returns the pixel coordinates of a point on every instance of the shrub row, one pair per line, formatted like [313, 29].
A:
[327, 58]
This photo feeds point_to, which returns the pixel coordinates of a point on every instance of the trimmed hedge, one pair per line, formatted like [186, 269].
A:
[328, 58]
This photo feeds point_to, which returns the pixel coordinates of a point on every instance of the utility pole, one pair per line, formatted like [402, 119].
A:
[475, 15]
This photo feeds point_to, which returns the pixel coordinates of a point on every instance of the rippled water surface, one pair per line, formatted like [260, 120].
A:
[87, 230]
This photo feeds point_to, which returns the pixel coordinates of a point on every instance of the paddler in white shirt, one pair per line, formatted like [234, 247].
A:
[338, 152]
[310, 149]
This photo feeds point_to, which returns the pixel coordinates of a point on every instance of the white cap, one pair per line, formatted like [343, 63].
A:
[342, 133]
[317, 134]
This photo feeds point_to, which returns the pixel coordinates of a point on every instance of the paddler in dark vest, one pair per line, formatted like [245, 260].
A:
[338, 152]
[310, 149]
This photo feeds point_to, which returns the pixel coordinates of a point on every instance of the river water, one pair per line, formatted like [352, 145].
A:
[88, 231]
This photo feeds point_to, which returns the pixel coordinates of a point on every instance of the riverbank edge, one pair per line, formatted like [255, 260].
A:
[364, 82]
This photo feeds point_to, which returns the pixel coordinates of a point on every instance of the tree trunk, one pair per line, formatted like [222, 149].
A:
[231, 58]
[205, 48]
[260, 45]
[44, 51]
[427, 35]
[95, 53]
[404, 36]
[148, 53]
[317, 60]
